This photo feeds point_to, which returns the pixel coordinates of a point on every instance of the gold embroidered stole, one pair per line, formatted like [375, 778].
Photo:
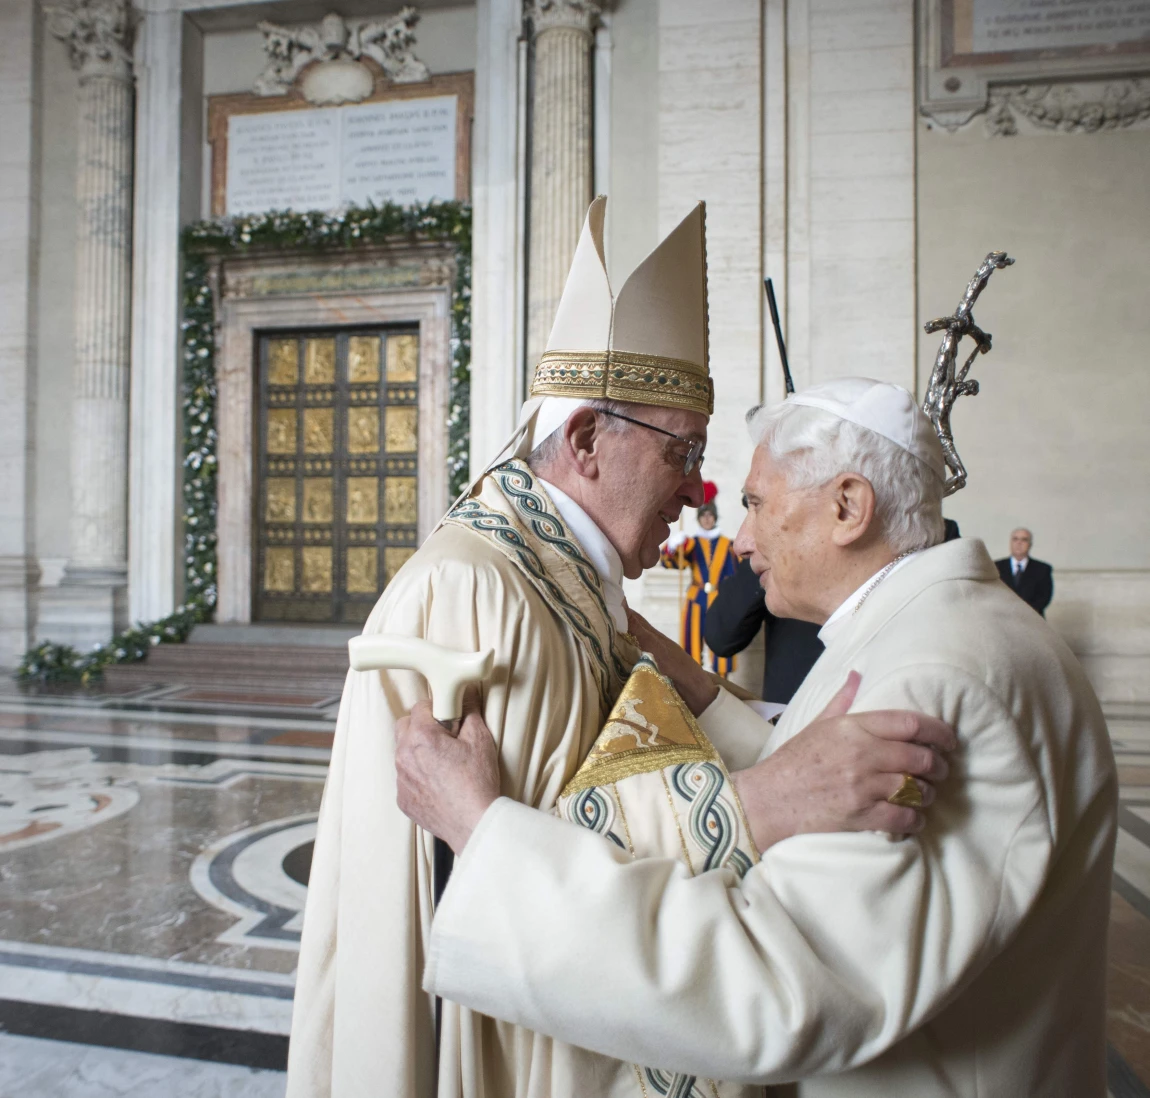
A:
[654, 785]
[513, 510]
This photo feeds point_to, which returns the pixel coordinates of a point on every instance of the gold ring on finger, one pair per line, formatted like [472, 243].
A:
[908, 795]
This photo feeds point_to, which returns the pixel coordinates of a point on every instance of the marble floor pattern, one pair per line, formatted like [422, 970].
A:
[154, 848]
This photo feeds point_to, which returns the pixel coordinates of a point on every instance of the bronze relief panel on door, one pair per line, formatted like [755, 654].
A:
[337, 482]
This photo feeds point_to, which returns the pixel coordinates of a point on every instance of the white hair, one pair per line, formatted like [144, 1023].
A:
[813, 447]
[549, 449]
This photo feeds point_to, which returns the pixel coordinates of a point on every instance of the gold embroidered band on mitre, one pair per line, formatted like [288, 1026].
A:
[627, 376]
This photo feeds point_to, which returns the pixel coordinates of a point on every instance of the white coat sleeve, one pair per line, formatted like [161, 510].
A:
[830, 950]
[738, 733]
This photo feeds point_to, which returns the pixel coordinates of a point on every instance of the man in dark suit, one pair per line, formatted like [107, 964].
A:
[1032, 580]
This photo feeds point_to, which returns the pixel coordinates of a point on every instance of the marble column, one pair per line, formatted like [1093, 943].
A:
[91, 601]
[19, 224]
[497, 259]
[561, 154]
[166, 194]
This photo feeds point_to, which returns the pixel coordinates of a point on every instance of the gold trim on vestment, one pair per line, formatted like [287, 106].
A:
[623, 817]
[627, 376]
[607, 763]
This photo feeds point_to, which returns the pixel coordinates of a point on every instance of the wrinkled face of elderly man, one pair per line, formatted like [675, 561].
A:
[631, 467]
[829, 504]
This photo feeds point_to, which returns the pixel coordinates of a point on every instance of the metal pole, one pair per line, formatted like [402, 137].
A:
[773, 306]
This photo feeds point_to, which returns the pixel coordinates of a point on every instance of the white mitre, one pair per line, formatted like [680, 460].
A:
[886, 409]
[647, 345]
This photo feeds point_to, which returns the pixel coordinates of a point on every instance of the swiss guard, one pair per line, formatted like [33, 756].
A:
[710, 556]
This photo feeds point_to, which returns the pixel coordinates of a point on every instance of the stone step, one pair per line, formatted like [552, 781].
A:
[292, 635]
[259, 667]
[225, 657]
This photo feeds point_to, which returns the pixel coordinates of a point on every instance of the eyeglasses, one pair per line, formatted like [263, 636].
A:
[694, 458]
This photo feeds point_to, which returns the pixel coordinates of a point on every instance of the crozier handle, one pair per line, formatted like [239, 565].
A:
[447, 672]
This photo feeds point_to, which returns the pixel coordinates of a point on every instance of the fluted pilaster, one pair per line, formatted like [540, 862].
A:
[561, 154]
[98, 35]
[103, 301]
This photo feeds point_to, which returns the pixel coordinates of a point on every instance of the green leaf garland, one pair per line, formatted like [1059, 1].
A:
[349, 228]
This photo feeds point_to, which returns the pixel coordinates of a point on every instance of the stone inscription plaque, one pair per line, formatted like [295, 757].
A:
[283, 161]
[401, 151]
[1001, 26]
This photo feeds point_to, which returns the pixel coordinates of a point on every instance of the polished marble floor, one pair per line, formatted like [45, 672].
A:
[154, 847]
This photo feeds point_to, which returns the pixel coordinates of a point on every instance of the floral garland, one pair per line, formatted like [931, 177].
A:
[451, 221]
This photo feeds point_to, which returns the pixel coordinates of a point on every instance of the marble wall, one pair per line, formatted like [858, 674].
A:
[632, 218]
[710, 147]
[1057, 440]
[794, 120]
[1059, 428]
[1103, 616]
[850, 234]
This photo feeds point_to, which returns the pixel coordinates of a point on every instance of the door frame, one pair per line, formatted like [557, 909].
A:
[405, 284]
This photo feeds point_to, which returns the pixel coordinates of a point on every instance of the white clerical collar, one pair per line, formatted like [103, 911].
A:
[837, 620]
[599, 551]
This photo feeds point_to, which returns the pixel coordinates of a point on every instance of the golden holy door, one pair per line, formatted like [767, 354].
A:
[337, 484]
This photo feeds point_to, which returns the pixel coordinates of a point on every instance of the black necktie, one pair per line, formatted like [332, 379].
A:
[1018, 575]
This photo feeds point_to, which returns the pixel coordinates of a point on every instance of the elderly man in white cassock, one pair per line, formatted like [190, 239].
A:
[530, 564]
[965, 960]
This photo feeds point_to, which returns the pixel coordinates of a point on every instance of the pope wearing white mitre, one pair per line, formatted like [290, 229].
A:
[968, 959]
[533, 570]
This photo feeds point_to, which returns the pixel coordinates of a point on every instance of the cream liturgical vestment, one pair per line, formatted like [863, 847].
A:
[502, 572]
[968, 960]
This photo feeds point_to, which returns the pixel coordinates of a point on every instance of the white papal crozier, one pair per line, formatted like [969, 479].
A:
[528, 574]
[91, 601]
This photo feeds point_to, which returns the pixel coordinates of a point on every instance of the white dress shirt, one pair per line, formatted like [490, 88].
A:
[599, 550]
[1017, 565]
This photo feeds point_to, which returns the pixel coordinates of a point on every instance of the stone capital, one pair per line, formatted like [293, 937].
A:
[580, 15]
[98, 34]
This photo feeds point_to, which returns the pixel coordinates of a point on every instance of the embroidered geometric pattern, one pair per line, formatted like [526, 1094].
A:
[672, 1085]
[653, 778]
[594, 810]
[514, 480]
[472, 514]
[712, 822]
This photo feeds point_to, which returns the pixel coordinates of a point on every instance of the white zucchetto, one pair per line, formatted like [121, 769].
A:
[888, 410]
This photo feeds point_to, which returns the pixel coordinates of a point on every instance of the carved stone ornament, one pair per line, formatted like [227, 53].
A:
[335, 51]
[98, 34]
[1090, 75]
[580, 15]
[1068, 108]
